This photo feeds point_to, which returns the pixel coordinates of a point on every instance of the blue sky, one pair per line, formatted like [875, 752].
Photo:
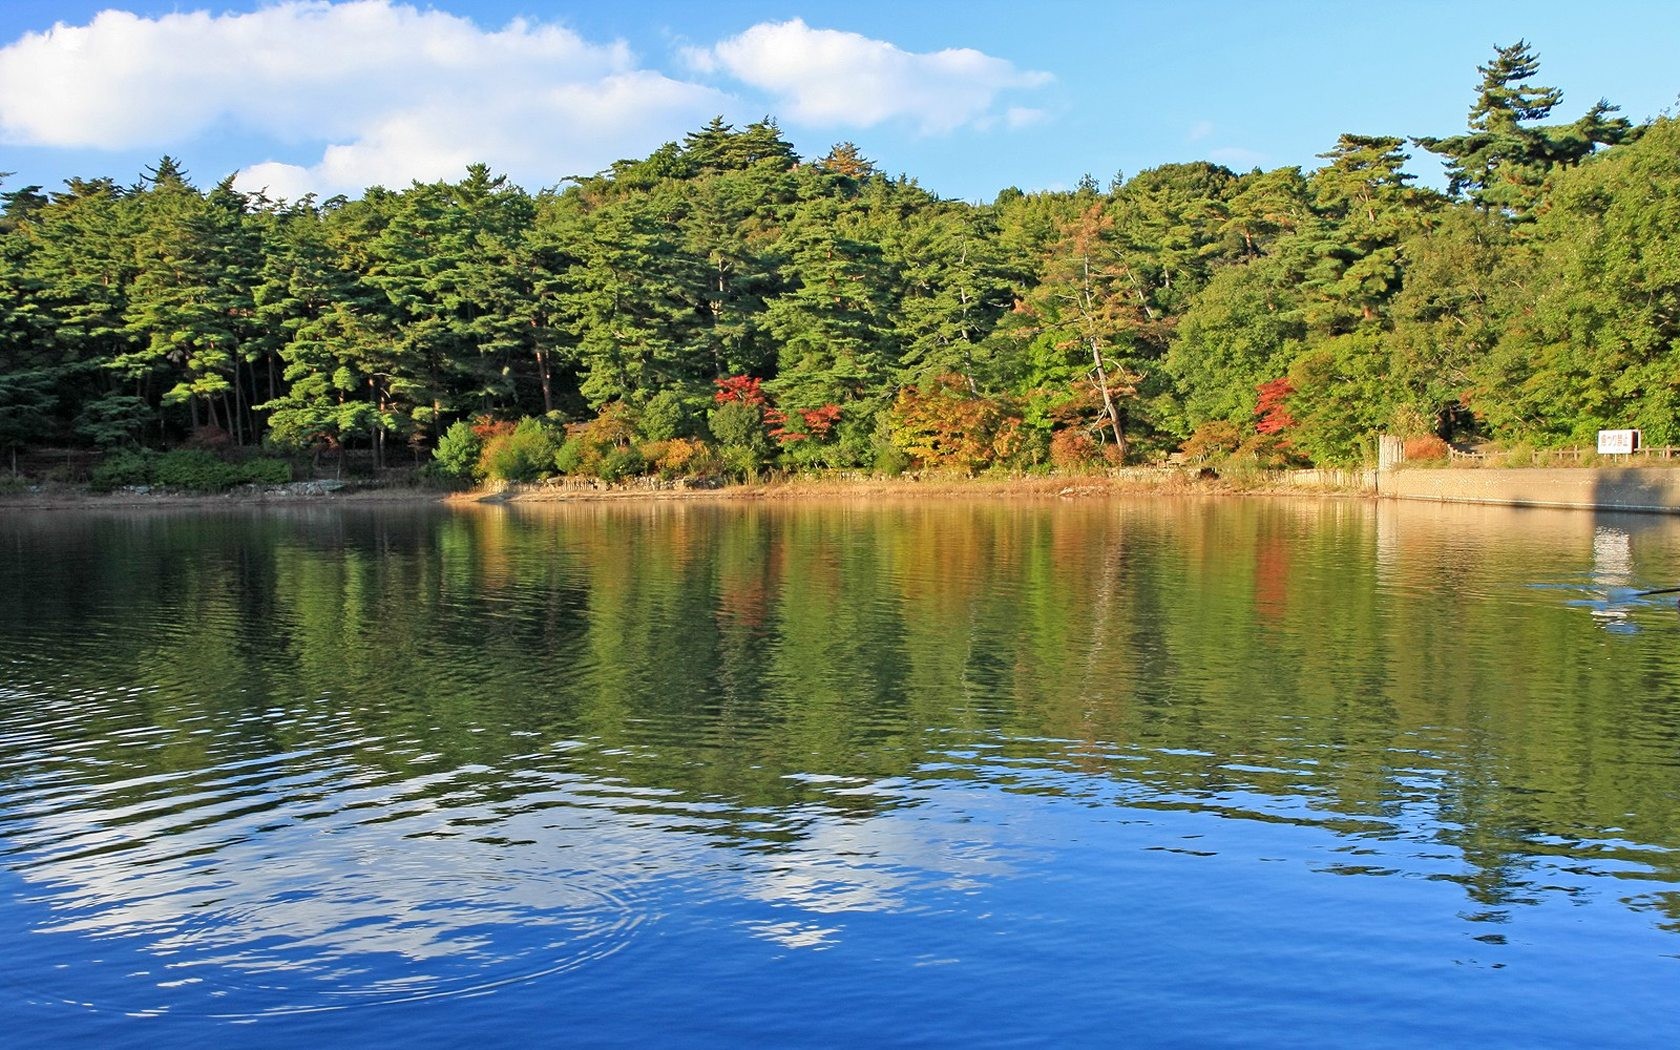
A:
[967, 97]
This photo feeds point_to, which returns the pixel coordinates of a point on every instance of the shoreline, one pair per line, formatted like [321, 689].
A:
[81, 498]
[1037, 487]
[1616, 489]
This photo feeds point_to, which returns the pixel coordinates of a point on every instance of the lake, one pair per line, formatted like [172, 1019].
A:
[943, 772]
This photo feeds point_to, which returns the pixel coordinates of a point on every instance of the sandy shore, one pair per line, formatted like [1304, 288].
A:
[1026, 487]
[1036, 487]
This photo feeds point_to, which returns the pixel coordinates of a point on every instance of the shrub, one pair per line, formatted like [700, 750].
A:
[265, 471]
[1212, 441]
[680, 458]
[191, 469]
[576, 455]
[1072, 449]
[743, 444]
[891, 461]
[1268, 452]
[621, 463]
[1427, 447]
[195, 470]
[128, 467]
[524, 454]
[669, 414]
[604, 447]
[457, 452]
[1521, 454]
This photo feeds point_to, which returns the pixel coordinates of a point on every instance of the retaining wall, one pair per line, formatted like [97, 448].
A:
[1653, 490]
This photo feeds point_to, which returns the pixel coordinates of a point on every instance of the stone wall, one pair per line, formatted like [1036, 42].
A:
[1638, 489]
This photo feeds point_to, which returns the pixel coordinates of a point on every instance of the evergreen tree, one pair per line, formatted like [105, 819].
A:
[636, 305]
[1503, 160]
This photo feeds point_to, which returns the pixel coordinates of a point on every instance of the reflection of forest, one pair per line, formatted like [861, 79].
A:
[1385, 670]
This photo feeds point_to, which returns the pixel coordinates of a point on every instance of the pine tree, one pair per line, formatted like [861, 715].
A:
[1502, 162]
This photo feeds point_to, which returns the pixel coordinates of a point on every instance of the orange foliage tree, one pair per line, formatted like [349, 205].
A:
[945, 426]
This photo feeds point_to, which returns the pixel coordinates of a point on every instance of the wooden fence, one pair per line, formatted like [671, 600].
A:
[1552, 457]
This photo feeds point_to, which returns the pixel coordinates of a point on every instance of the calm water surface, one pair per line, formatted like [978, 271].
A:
[935, 774]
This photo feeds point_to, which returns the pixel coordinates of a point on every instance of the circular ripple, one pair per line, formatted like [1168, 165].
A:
[227, 903]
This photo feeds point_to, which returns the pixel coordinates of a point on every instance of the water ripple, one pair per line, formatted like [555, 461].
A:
[296, 883]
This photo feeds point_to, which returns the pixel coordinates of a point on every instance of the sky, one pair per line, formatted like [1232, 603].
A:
[967, 98]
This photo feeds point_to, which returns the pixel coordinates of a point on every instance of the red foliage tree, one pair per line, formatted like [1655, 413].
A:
[738, 388]
[1273, 406]
[819, 421]
[777, 422]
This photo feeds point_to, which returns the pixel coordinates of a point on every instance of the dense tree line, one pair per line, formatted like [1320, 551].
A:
[723, 305]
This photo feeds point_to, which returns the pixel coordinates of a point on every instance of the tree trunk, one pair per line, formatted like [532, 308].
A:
[238, 409]
[543, 377]
[233, 412]
[1108, 401]
[1088, 314]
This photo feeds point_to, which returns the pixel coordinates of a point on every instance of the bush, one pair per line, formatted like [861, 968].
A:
[743, 443]
[1212, 441]
[621, 463]
[604, 447]
[194, 470]
[128, 467]
[1072, 449]
[1522, 454]
[1428, 447]
[891, 461]
[680, 458]
[265, 471]
[670, 414]
[527, 453]
[944, 426]
[191, 469]
[575, 455]
[457, 452]
[1268, 452]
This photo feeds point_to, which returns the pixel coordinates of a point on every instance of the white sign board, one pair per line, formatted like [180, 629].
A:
[1617, 442]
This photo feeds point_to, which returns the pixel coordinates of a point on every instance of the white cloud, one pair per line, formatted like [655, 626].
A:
[829, 78]
[1023, 116]
[1199, 131]
[1237, 157]
[396, 92]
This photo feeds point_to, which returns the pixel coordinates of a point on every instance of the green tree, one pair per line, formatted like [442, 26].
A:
[1591, 332]
[956, 287]
[833, 325]
[1503, 160]
[190, 304]
[635, 303]
[1245, 327]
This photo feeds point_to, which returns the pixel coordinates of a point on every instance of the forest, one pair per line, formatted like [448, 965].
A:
[726, 308]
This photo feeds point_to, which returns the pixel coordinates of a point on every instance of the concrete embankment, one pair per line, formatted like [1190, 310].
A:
[1651, 490]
